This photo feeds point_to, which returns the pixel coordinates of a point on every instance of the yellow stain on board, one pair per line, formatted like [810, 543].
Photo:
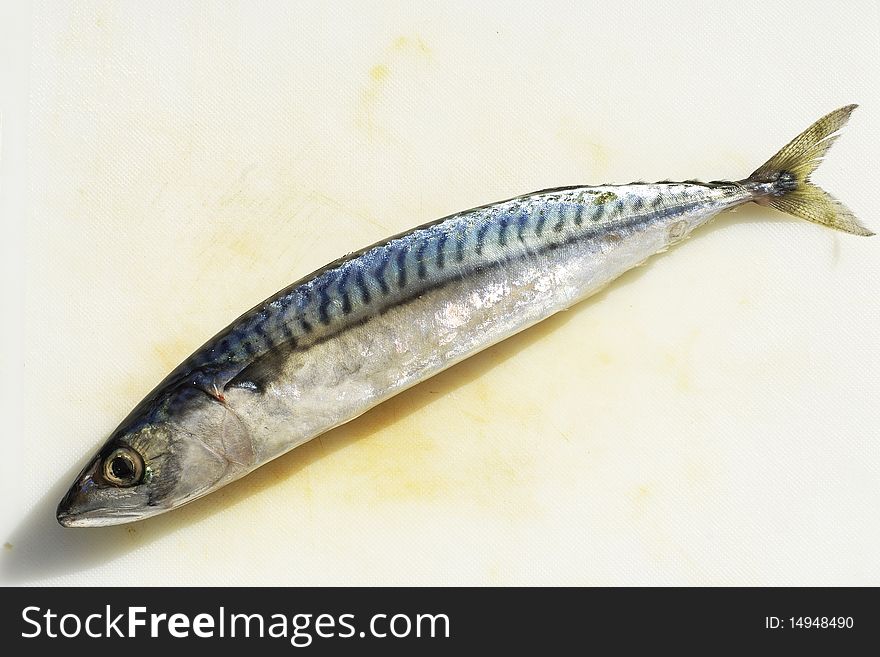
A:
[379, 72]
[413, 44]
[395, 64]
[245, 247]
[640, 498]
[170, 352]
[676, 362]
[418, 460]
[586, 147]
[385, 460]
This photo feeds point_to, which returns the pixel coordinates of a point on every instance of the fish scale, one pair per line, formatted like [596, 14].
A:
[413, 261]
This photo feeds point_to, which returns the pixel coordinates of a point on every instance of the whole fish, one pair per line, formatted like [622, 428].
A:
[364, 328]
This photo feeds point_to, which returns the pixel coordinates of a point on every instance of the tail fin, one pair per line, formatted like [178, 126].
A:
[783, 181]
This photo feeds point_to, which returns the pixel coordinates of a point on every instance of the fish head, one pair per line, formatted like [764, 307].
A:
[177, 445]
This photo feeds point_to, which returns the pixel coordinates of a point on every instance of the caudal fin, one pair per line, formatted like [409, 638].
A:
[783, 181]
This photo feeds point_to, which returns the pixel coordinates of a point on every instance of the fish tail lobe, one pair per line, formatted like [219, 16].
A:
[783, 181]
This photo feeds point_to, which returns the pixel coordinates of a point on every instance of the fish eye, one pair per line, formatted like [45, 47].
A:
[123, 467]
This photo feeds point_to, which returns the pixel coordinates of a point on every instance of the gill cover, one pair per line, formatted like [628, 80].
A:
[177, 445]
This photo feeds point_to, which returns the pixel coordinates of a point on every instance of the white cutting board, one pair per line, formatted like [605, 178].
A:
[709, 419]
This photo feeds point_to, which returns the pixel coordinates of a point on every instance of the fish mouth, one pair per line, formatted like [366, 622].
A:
[94, 518]
[74, 511]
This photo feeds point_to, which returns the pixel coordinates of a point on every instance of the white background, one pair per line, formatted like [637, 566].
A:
[709, 419]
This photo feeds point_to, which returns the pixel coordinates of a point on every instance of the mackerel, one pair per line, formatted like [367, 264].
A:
[364, 328]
